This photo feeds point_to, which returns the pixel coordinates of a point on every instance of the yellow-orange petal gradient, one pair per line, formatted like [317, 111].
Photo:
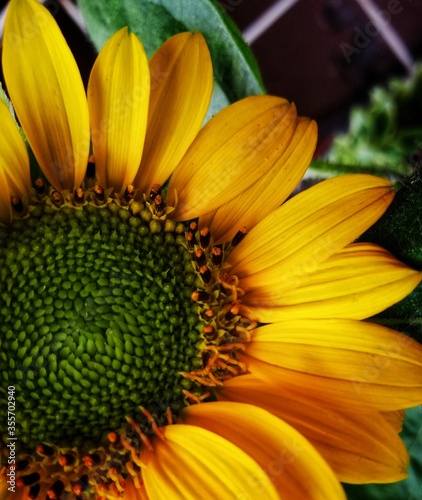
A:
[343, 361]
[14, 160]
[272, 189]
[47, 92]
[358, 282]
[309, 228]
[118, 98]
[133, 493]
[191, 462]
[234, 149]
[289, 460]
[359, 445]
[181, 88]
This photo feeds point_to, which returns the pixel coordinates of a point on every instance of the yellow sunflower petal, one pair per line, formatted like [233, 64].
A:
[309, 228]
[270, 191]
[192, 463]
[357, 282]
[118, 97]
[395, 419]
[181, 88]
[234, 149]
[206, 221]
[14, 160]
[334, 392]
[292, 464]
[346, 350]
[45, 86]
[359, 445]
[5, 205]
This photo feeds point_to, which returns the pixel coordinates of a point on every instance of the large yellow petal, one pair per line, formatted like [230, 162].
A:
[395, 419]
[44, 83]
[181, 88]
[234, 149]
[14, 160]
[5, 205]
[192, 463]
[309, 228]
[335, 392]
[357, 282]
[293, 465]
[359, 445]
[270, 191]
[355, 352]
[118, 98]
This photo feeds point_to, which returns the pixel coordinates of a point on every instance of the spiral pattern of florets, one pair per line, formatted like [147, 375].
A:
[96, 319]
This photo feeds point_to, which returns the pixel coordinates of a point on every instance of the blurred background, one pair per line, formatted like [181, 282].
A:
[325, 55]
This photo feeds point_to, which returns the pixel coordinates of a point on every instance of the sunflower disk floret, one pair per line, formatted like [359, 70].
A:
[114, 318]
[96, 320]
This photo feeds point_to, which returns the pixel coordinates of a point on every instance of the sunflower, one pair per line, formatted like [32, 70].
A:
[169, 328]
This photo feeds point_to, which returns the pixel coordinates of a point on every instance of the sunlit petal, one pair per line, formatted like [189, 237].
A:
[207, 461]
[118, 98]
[181, 88]
[309, 228]
[357, 282]
[14, 160]
[234, 149]
[45, 86]
[292, 464]
[270, 191]
[356, 443]
[333, 392]
[367, 363]
[395, 419]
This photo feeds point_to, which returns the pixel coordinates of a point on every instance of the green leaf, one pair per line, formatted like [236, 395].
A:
[322, 169]
[410, 488]
[400, 229]
[400, 232]
[154, 21]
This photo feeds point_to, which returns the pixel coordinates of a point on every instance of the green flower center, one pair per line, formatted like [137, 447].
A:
[96, 319]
